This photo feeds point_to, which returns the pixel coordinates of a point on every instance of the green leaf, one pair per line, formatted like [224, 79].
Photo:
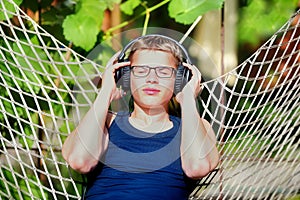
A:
[69, 71]
[66, 127]
[81, 31]
[8, 107]
[93, 9]
[110, 3]
[8, 7]
[28, 138]
[128, 6]
[187, 11]
[83, 27]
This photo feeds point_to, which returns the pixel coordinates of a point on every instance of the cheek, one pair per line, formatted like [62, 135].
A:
[169, 85]
[135, 84]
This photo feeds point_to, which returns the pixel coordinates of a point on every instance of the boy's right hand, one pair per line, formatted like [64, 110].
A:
[108, 80]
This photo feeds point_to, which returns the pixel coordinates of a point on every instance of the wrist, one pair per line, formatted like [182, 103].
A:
[104, 97]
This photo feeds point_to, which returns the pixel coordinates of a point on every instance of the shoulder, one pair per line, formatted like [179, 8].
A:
[176, 120]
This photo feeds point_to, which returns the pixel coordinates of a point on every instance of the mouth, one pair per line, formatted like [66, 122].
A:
[151, 91]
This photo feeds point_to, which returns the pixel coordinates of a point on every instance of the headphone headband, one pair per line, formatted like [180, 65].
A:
[123, 52]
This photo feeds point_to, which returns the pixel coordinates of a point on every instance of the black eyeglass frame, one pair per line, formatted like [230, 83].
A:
[155, 69]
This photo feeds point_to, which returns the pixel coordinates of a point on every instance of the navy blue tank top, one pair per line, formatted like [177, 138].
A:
[140, 165]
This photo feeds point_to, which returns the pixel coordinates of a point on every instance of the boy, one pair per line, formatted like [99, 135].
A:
[147, 153]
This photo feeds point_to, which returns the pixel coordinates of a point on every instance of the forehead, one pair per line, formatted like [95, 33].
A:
[153, 57]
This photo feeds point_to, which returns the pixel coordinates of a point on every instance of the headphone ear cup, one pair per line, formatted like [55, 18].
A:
[126, 78]
[183, 76]
[178, 79]
[122, 78]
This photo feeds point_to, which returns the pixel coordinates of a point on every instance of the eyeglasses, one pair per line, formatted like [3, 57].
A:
[160, 71]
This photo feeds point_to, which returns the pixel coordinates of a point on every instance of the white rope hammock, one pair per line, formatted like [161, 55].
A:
[44, 90]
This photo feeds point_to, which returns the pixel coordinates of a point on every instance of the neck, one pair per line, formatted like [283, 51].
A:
[150, 116]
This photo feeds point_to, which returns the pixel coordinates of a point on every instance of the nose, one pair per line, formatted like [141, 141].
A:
[152, 77]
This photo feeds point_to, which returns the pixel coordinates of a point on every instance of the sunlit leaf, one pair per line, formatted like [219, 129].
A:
[83, 27]
[8, 6]
[187, 11]
[110, 3]
[81, 31]
[67, 127]
[8, 107]
[128, 6]
[93, 9]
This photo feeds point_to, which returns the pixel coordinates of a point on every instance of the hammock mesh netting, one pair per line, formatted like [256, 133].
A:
[45, 86]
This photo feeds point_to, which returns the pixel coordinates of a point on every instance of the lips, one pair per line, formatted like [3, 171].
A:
[151, 91]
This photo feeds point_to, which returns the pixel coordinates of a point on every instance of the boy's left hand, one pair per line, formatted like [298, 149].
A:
[193, 87]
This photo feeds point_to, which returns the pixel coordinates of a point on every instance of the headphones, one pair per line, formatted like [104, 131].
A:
[183, 74]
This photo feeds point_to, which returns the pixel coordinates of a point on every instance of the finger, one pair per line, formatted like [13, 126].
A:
[114, 66]
[113, 61]
[196, 77]
[121, 64]
[190, 66]
[193, 68]
[119, 93]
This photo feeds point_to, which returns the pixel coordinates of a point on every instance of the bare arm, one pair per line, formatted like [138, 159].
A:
[199, 154]
[87, 143]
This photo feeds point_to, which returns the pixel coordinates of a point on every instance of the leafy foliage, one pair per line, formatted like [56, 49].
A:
[262, 18]
[8, 6]
[83, 27]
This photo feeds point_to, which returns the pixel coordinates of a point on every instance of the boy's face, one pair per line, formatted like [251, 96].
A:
[152, 91]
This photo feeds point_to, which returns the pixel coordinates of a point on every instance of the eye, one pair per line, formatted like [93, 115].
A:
[140, 69]
[164, 70]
